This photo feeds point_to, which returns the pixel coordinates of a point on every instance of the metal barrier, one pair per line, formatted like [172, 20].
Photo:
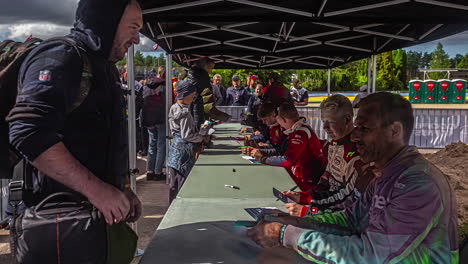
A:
[433, 128]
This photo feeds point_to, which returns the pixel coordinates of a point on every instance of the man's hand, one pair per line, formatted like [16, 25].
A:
[257, 132]
[257, 154]
[206, 138]
[247, 137]
[295, 196]
[135, 206]
[266, 234]
[110, 201]
[294, 209]
[247, 150]
[262, 144]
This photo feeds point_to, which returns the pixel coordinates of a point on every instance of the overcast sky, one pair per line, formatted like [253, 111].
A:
[47, 18]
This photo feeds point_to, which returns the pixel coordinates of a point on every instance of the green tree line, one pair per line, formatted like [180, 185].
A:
[394, 70]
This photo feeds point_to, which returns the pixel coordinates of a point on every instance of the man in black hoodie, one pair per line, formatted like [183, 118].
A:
[84, 150]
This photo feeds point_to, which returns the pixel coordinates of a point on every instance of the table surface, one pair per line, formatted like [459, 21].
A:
[198, 226]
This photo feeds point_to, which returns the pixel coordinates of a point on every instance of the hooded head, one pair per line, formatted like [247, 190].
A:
[108, 27]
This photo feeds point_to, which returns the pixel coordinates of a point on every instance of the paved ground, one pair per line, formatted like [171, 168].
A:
[154, 196]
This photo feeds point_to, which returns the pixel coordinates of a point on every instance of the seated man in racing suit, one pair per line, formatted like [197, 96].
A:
[346, 176]
[303, 159]
[408, 213]
[277, 140]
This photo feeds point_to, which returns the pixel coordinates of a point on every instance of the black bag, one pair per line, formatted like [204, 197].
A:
[65, 228]
[61, 229]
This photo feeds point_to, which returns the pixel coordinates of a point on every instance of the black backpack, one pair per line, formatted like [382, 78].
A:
[12, 55]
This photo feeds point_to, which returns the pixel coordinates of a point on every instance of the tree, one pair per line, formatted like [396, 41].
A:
[148, 61]
[138, 59]
[399, 70]
[463, 64]
[122, 62]
[413, 62]
[385, 71]
[439, 60]
[455, 60]
[425, 60]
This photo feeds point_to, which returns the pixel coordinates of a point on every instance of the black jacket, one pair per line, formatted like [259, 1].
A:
[96, 132]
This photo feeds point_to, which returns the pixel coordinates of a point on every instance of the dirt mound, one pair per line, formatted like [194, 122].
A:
[453, 161]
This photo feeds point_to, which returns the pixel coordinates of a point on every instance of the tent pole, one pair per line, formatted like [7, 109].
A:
[369, 74]
[374, 73]
[168, 103]
[329, 82]
[131, 121]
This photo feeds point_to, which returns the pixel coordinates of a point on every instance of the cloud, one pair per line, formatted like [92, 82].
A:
[39, 30]
[59, 12]
[145, 45]
[455, 44]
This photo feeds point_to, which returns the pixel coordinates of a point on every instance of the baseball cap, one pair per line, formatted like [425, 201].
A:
[235, 78]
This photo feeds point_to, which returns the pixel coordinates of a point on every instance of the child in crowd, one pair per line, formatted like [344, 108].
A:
[346, 176]
[186, 144]
[303, 159]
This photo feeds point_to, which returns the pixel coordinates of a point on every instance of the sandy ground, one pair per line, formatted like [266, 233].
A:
[453, 161]
[154, 196]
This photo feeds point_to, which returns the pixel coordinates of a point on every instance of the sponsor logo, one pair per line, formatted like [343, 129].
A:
[314, 210]
[379, 201]
[350, 154]
[44, 76]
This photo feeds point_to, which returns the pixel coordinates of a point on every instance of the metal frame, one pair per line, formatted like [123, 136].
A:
[169, 101]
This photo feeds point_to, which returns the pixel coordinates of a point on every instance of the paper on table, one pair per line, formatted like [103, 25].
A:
[252, 160]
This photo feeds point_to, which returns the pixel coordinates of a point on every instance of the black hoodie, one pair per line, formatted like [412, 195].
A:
[96, 132]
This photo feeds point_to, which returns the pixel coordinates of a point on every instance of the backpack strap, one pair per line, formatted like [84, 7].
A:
[86, 75]
[22, 189]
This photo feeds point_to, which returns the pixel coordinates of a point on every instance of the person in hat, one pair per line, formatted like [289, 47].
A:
[237, 95]
[187, 140]
[251, 84]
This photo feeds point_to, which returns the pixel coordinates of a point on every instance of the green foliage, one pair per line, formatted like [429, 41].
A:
[399, 69]
[138, 59]
[413, 62]
[439, 60]
[455, 60]
[385, 75]
[122, 62]
[463, 64]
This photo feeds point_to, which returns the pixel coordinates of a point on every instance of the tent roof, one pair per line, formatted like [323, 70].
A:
[296, 34]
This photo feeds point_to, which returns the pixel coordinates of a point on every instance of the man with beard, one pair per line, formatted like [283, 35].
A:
[83, 149]
[237, 95]
[407, 214]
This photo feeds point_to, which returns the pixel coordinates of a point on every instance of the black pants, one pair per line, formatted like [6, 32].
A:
[176, 181]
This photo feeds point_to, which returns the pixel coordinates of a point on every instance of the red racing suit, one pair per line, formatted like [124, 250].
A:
[303, 159]
[344, 180]
[276, 134]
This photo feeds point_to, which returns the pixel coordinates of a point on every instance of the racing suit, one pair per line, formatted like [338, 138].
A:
[344, 180]
[303, 158]
[278, 142]
[408, 214]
